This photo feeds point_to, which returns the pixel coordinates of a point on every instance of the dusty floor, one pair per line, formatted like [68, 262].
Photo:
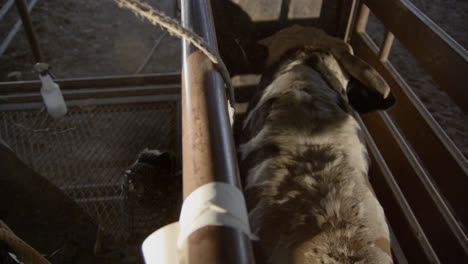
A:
[80, 38]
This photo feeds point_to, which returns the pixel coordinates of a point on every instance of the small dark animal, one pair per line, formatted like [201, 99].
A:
[150, 177]
[151, 193]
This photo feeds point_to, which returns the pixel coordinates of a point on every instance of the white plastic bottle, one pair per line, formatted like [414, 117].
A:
[52, 96]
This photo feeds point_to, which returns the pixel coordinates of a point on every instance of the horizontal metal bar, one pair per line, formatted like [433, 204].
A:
[99, 199]
[440, 56]
[90, 186]
[92, 101]
[427, 182]
[437, 230]
[398, 194]
[95, 93]
[94, 82]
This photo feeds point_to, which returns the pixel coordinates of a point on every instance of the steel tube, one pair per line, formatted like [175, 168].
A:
[94, 82]
[362, 19]
[24, 13]
[208, 146]
[386, 46]
[398, 194]
[346, 21]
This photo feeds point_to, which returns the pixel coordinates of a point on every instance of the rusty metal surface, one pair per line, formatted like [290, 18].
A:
[23, 11]
[208, 147]
[431, 46]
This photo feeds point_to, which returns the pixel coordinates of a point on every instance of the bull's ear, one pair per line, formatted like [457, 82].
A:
[365, 100]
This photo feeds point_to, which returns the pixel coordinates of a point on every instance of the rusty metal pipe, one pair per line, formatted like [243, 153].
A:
[23, 11]
[208, 145]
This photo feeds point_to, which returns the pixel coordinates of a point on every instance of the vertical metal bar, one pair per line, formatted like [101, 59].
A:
[24, 13]
[427, 181]
[362, 19]
[179, 129]
[208, 147]
[386, 46]
[348, 14]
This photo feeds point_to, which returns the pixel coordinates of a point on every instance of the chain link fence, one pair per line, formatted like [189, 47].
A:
[87, 152]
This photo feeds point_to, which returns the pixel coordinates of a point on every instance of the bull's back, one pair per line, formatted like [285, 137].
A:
[305, 168]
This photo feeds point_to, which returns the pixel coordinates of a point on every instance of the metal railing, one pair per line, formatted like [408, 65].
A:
[421, 176]
[208, 148]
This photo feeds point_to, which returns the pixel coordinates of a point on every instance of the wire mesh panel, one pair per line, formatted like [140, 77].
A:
[87, 152]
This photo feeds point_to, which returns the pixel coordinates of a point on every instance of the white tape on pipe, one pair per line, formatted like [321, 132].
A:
[213, 204]
[161, 246]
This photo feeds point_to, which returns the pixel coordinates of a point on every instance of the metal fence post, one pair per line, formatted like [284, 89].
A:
[208, 146]
[23, 11]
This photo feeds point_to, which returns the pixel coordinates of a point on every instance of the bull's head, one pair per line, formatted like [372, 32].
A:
[367, 90]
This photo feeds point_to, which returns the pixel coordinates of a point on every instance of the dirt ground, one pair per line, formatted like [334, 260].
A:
[81, 38]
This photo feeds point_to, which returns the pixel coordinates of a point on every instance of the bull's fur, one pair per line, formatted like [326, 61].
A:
[304, 166]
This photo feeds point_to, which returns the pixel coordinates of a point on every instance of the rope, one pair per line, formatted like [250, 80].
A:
[174, 28]
[21, 248]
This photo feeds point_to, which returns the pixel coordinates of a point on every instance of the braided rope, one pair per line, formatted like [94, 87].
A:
[21, 248]
[174, 28]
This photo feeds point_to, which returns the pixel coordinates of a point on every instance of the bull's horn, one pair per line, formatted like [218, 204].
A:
[362, 71]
